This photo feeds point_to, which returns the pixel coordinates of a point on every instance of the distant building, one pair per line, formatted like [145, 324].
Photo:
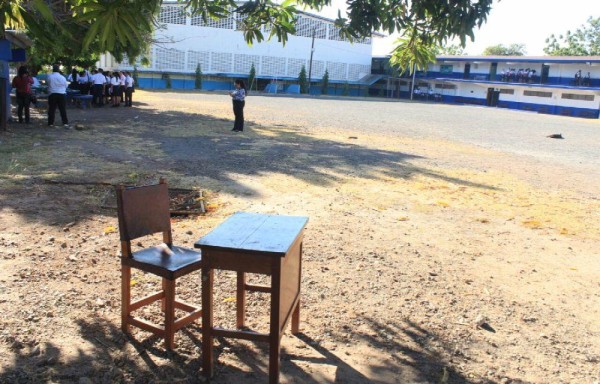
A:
[558, 85]
[219, 47]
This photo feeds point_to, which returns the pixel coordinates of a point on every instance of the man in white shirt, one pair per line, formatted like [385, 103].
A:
[98, 81]
[57, 90]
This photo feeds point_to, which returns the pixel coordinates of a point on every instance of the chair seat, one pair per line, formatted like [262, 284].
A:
[167, 263]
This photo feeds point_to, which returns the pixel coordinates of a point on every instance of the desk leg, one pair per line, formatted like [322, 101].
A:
[275, 331]
[296, 313]
[207, 322]
[241, 299]
[296, 319]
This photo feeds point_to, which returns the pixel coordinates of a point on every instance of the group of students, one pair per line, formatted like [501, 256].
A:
[105, 87]
[585, 81]
[519, 76]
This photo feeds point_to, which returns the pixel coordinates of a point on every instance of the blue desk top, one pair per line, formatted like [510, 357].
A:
[256, 233]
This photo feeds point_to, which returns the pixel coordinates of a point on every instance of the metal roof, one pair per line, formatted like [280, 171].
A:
[522, 59]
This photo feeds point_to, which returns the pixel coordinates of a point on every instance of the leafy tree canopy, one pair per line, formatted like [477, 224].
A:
[585, 41]
[501, 50]
[451, 50]
[125, 26]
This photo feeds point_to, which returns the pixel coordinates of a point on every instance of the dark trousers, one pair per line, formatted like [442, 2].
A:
[128, 96]
[238, 111]
[97, 92]
[57, 100]
[23, 100]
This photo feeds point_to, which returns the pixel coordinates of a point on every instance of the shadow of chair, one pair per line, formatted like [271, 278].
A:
[144, 211]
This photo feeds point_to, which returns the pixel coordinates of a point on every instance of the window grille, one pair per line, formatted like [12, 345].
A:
[225, 23]
[198, 57]
[318, 70]
[169, 59]
[357, 71]
[172, 15]
[305, 26]
[273, 66]
[239, 22]
[337, 71]
[221, 62]
[334, 33]
[573, 96]
[242, 63]
[537, 93]
[125, 64]
[295, 66]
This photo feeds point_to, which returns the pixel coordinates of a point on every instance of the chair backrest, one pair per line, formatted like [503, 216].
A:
[144, 211]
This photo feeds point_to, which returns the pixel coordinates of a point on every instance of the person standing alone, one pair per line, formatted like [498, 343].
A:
[57, 90]
[22, 82]
[238, 96]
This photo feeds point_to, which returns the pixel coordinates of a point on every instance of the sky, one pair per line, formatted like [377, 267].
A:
[527, 22]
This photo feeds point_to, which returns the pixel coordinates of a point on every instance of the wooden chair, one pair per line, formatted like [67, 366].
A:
[144, 211]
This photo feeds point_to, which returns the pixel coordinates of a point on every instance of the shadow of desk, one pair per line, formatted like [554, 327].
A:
[262, 244]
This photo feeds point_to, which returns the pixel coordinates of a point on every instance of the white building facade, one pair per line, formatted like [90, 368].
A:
[184, 42]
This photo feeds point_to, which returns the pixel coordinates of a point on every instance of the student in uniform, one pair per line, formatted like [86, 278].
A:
[115, 85]
[238, 96]
[128, 89]
[98, 81]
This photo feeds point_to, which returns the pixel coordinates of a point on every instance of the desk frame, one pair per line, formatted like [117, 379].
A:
[285, 271]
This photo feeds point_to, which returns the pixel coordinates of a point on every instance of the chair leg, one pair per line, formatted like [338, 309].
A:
[163, 302]
[125, 297]
[169, 302]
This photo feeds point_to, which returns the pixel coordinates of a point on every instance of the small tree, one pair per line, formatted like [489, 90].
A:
[346, 89]
[303, 80]
[198, 77]
[325, 83]
[251, 76]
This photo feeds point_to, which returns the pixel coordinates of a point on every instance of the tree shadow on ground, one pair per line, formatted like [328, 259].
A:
[109, 356]
[151, 142]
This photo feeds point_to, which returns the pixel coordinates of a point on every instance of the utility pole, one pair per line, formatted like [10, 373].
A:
[312, 50]
[412, 91]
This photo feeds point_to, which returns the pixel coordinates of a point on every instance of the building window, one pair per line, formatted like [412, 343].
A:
[574, 96]
[446, 69]
[537, 94]
[507, 91]
[172, 15]
[445, 86]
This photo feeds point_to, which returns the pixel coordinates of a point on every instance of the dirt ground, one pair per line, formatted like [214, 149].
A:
[427, 258]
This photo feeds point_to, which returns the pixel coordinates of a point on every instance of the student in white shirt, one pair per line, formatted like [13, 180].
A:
[115, 85]
[57, 90]
[128, 89]
[98, 81]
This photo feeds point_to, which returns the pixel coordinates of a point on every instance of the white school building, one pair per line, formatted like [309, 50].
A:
[183, 42]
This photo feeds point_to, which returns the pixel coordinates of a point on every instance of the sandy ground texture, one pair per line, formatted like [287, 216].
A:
[446, 244]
